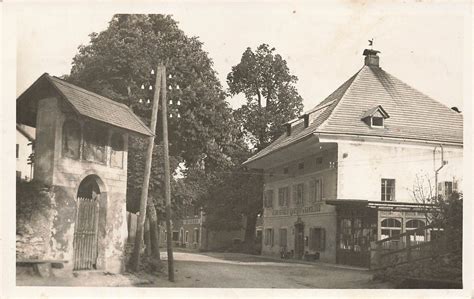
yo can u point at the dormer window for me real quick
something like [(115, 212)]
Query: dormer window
[(377, 121), (375, 117)]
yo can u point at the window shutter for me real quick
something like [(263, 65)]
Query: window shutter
[(323, 240), (312, 194), (455, 186), (295, 194), (287, 196), (303, 194), (320, 189)]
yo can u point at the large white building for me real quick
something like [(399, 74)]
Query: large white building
[(354, 169)]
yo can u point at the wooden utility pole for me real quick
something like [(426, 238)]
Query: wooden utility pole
[(164, 117), (135, 260)]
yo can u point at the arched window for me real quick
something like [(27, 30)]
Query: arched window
[(117, 148), (71, 139), (95, 138), (391, 227), (418, 236)]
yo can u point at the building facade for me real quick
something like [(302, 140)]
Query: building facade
[(190, 232), (81, 155), (357, 168)]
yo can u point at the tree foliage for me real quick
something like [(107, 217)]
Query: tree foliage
[(272, 99), (118, 61)]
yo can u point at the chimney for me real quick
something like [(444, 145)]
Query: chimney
[(371, 58)]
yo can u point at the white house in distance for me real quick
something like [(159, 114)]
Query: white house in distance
[(344, 172), (24, 148)]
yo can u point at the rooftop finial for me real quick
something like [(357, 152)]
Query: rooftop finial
[(371, 43)]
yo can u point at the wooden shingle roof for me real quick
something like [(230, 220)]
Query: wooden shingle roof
[(85, 103), (413, 115)]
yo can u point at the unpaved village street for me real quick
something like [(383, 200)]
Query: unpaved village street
[(233, 270), (223, 270)]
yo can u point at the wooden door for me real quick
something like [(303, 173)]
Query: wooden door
[(85, 235), (299, 241)]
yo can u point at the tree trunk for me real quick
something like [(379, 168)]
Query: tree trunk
[(146, 237), (250, 228), (154, 230)]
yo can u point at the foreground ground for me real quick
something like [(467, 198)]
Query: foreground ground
[(226, 270)]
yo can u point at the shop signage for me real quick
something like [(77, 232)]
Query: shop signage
[(296, 211), (192, 221)]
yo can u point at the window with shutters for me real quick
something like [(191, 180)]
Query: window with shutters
[(315, 190), (269, 236), (447, 188), (317, 239), (268, 199), (283, 234), (283, 197), (298, 194)]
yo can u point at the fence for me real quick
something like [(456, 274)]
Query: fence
[(405, 248)]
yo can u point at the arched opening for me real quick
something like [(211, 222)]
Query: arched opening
[(418, 236), (391, 227), (89, 232)]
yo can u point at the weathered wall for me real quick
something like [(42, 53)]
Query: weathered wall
[(33, 235), (65, 175), (311, 214), (363, 164)]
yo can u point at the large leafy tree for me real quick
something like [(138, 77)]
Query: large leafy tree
[(118, 61), (272, 99)]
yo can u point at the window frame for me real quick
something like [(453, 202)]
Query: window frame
[(385, 187), (316, 190), (269, 237), (284, 202), (377, 117)]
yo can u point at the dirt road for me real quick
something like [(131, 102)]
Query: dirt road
[(232, 270)]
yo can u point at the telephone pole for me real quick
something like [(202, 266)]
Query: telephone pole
[(164, 113), (135, 259)]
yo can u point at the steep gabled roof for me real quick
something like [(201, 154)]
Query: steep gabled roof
[(413, 115), (83, 102)]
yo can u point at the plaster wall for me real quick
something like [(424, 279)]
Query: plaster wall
[(65, 175), (363, 164), (312, 214)]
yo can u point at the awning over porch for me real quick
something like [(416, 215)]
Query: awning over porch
[(381, 205)]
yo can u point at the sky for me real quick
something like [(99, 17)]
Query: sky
[(421, 43)]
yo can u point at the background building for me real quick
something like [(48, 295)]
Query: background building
[(24, 150)]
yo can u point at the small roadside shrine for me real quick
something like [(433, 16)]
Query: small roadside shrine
[(81, 155)]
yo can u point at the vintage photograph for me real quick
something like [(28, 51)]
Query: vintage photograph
[(270, 145)]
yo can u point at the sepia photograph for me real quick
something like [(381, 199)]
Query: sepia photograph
[(164, 146)]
